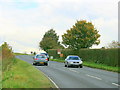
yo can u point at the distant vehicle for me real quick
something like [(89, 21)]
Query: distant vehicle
[(46, 55), (40, 59), (73, 60)]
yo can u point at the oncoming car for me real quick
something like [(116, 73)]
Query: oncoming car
[(73, 60), (40, 59)]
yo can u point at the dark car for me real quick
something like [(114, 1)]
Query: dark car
[(40, 59)]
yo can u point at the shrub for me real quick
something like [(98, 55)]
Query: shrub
[(100, 56), (7, 56)]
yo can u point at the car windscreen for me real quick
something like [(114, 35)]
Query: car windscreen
[(73, 58), (40, 56), (45, 54)]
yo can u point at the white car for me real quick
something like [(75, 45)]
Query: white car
[(73, 60)]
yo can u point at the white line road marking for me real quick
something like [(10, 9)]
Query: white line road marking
[(53, 82), (94, 77), (115, 84), (73, 70)]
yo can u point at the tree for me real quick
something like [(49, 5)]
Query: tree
[(7, 51), (113, 44), (50, 41), (81, 35), (31, 52), (34, 53), (51, 34)]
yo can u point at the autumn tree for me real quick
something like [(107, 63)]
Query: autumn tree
[(82, 35), (7, 51), (50, 41), (8, 57)]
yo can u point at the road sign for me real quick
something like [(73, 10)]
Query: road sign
[(58, 51)]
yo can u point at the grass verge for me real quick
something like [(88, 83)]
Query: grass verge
[(57, 60), (20, 54), (102, 66), (24, 75), (94, 65)]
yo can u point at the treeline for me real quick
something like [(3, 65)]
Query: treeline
[(82, 34), (8, 57), (100, 56)]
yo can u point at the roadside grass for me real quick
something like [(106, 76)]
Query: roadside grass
[(57, 60), (102, 66), (24, 75), (0, 67), (94, 65), (20, 54)]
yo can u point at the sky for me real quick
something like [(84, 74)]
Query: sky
[(24, 22)]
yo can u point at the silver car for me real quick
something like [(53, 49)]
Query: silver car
[(46, 55), (40, 59), (73, 60)]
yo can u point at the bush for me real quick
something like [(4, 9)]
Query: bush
[(7, 57), (100, 56)]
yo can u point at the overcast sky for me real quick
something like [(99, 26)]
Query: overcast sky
[(24, 22)]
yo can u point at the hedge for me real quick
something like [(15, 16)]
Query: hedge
[(101, 56)]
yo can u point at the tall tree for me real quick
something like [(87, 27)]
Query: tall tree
[(51, 34), (50, 41), (81, 35)]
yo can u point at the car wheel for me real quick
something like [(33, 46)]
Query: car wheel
[(34, 63), (46, 64), (81, 66), (65, 65)]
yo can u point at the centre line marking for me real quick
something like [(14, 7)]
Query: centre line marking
[(94, 77), (73, 70), (115, 84)]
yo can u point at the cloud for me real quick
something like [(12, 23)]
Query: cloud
[(24, 22)]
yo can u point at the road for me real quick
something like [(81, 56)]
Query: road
[(76, 77)]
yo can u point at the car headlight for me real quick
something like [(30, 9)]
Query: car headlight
[(80, 62)]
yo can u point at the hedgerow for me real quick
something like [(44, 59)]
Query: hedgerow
[(100, 56)]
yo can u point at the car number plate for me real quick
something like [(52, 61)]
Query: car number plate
[(41, 62)]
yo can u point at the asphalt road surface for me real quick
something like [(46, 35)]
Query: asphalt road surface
[(71, 77)]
